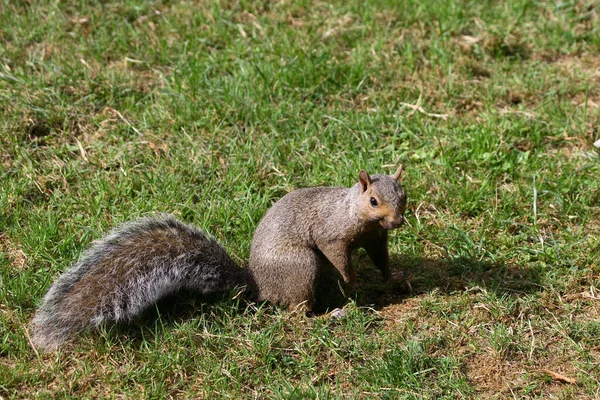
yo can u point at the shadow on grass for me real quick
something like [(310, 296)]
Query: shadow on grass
[(176, 309), (423, 275)]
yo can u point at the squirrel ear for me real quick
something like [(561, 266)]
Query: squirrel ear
[(397, 174), (365, 180)]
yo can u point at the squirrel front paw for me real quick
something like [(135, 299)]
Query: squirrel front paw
[(351, 282)]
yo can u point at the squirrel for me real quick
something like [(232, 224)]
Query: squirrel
[(143, 261)]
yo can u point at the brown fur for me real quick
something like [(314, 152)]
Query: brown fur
[(311, 227)]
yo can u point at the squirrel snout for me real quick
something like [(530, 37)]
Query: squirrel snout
[(393, 223), (399, 221)]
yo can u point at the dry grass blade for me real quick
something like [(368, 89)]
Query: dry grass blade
[(559, 377), (417, 107)]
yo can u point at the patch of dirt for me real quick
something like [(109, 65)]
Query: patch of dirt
[(492, 377), (396, 314), (459, 324), (56, 130), (18, 259), (579, 67), (573, 148), (497, 378)]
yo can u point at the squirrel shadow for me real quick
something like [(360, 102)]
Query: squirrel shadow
[(174, 309), (446, 275), (420, 275)]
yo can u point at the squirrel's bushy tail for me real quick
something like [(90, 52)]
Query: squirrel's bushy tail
[(129, 270)]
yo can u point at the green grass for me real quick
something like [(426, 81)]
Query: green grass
[(212, 111)]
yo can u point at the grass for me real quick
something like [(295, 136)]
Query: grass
[(214, 110)]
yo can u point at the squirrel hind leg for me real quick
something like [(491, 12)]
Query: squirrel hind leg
[(289, 279), (302, 299), (303, 307)]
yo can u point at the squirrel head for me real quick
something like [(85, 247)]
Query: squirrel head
[(382, 200)]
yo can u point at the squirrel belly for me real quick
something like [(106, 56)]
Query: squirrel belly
[(130, 269)]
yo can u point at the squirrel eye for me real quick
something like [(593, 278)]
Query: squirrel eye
[(373, 201)]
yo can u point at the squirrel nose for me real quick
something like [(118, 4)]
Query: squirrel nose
[(394, 223), (399, 221)]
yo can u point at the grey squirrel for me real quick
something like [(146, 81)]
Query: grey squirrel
[(143, 261)]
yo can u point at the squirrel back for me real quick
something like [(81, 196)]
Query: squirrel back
[(129, 270)]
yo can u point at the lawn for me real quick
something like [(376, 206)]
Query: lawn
[(212, 111)]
